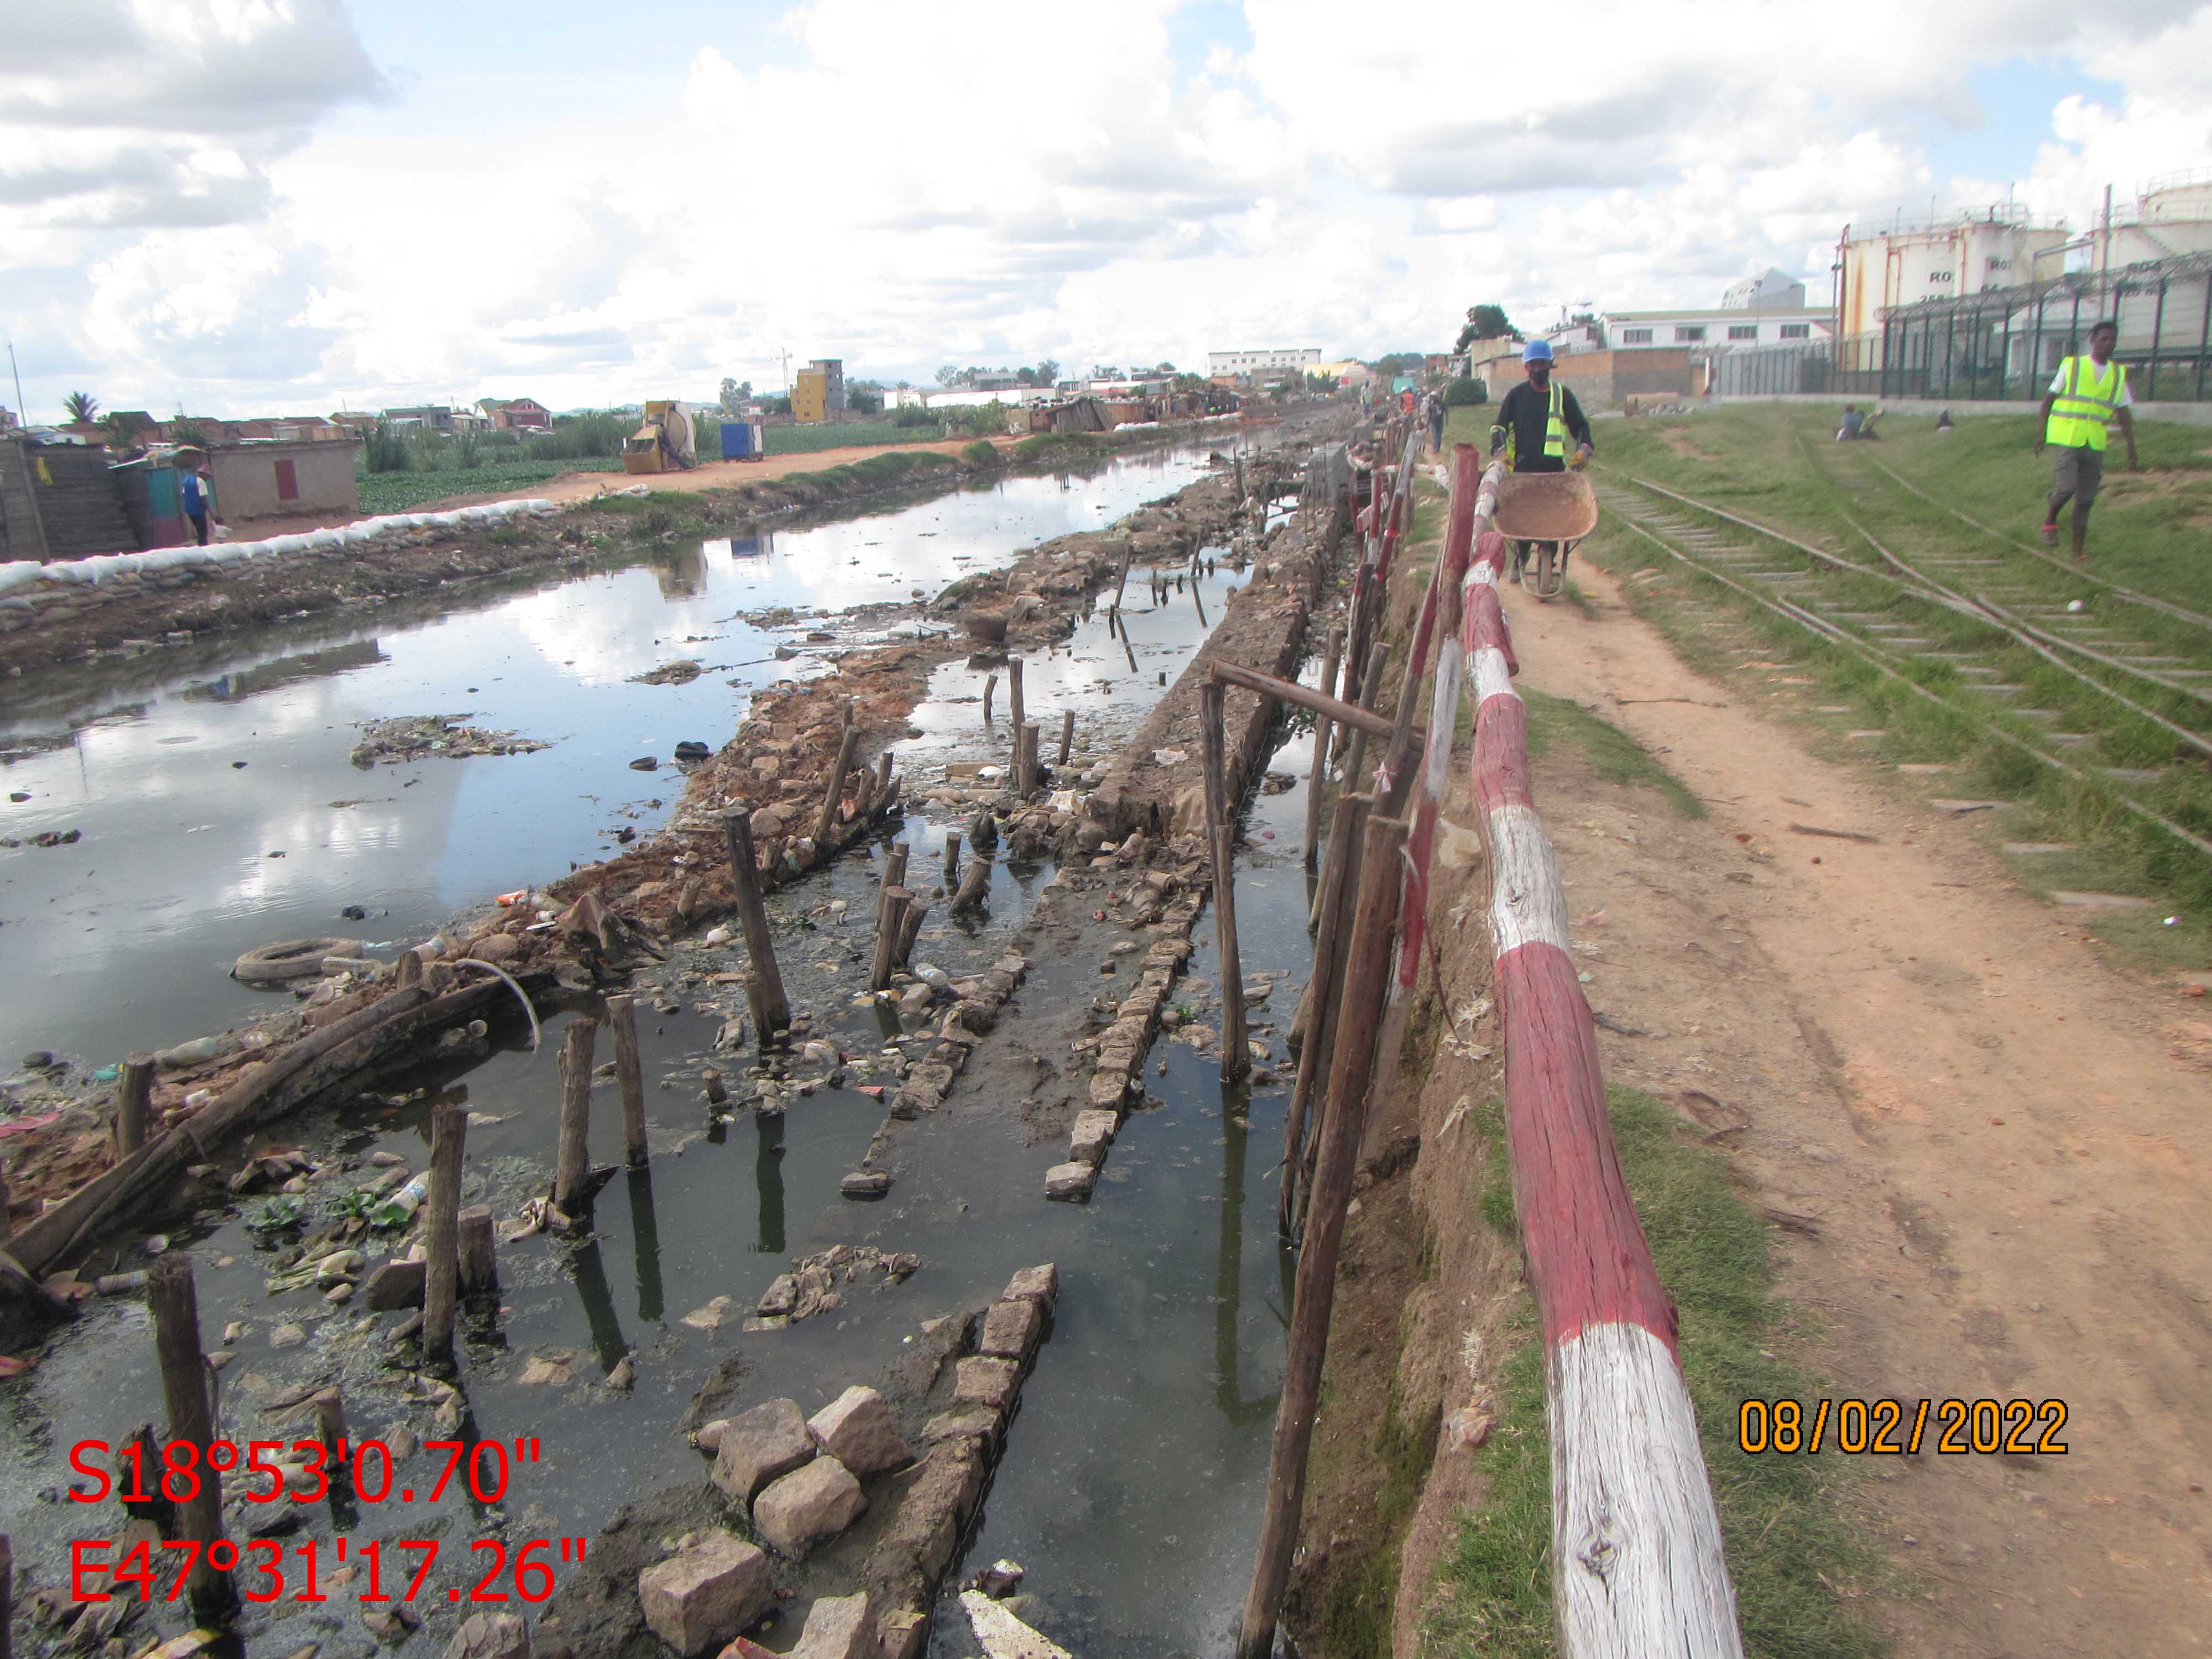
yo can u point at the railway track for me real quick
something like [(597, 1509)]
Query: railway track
[(2034, 657)]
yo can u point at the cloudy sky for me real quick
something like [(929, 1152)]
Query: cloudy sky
[(261, 206)]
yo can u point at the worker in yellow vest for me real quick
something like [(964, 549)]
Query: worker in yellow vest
[(2089, 394), (1534, 421)]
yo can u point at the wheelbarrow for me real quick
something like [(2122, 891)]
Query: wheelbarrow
[(1554, 510)]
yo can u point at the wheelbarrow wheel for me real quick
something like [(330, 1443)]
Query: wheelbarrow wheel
[(1549, 577)]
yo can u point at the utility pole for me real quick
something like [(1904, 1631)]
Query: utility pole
[(23, 414), (784, 354)]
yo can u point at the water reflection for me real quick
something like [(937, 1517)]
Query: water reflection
[(645, 1244), (236, 686), (767, 1177), (598, 1304), (1228, 1269)]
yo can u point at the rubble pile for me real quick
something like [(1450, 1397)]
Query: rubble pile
[(414, 736)]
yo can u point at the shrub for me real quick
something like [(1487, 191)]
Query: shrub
[(981, 452), (1465, 390)]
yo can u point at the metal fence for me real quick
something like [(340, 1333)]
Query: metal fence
[(2005, 343)]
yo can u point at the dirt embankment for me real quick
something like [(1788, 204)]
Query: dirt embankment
[(51, 624)]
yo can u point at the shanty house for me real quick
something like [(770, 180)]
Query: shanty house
[(261, 480)]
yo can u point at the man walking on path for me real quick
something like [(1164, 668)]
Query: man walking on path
[(2088, 392), (1533, 421)]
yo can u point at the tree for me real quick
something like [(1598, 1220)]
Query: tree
[(735, 395), (1165, 368), (81, 406), (1485, 322), (864, 397), (1025, 375), (122, 426), (1048, 371), (948, 376)]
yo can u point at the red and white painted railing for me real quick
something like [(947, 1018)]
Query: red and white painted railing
[(1636, 1566)]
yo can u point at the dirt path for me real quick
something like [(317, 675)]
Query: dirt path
[(2004, 1208)]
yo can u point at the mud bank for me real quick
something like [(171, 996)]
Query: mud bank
[(49, 624)]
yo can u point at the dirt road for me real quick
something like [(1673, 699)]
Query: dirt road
[(2005, 1209)]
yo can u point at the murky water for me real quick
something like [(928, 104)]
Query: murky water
[(1131, 1483), (218, 811)]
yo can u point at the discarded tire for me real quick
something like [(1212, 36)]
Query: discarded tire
[(295, 959)]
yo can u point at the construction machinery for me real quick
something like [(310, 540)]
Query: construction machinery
[(664, 443)]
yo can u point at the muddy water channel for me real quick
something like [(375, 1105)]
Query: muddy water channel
[(1131, 1479), (219, 812)]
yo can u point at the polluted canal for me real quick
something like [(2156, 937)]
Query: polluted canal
[(1127, 1482)]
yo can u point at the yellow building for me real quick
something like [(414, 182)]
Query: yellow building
[(809, 396)]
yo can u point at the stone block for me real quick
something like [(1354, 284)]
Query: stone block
[(1093, 1135), (809, 1506), (1040, 1285), (780, 1296), (1109, 1086), (760, 1445), (857, 1429), (901, 1633), (701, 1597), (1070, 1180), (1010, 1330), (865, 1183), (490, 1636), (1002, 1635), (395, 1284), (837, 1628), (968, 1422), (988, 1382)]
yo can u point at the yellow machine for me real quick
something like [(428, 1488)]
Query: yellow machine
[(664, 443)]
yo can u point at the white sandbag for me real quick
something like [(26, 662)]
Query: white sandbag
[(18, 572)]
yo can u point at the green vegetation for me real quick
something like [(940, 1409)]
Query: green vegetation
[(1356, 1619), (402, 492), (872, 471), (847, 434), (1613, 754), (81, 406), (1797, 1563), (1779, 465), (981, 452)]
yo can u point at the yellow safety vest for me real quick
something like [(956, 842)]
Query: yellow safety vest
[(2079, 414), (1555, 431)]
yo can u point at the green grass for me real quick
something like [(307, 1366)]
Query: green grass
[(1356, 1617), (1779, 465), (845, 434), (402, 492), (871, 471), (1798, 1564), (1613, 754)]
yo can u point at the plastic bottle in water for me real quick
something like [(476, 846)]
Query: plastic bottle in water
[(399, 1209)]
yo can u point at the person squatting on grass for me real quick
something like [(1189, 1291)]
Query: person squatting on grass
[(2088, 394)]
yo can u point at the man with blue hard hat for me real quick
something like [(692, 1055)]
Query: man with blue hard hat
[(1534, 421)]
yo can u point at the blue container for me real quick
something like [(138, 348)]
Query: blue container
[(743, 441)]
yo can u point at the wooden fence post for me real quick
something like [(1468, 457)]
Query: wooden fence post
[(1368, 963), (826, 822), (1312, 1025), (1025, 763), (909, 930), (134, 1096), (176, 1309), (1220, 832), (891, 916), (630, 1072), (573, 1161), (975, 882), (771, 1009), (1067, 734), (1319, 774), (1017, 712), (441, 1210)]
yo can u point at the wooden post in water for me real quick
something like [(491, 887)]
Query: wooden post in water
[(951, 853), (1128, 552), (1311, 1028), (1367, 970), (475, 1258), (1220, 834), (330, 1421), (134, 1098), (909, 930), (826, 823), (974, 884), (891, 916), (1067, 734), (990, 685), (441, 1206), (1330, 654), (771, 1009), (7, 1598), (1016, 711), (880, 800), (176, 1309), (571, 1164), (1025, 763), (630, 1072)]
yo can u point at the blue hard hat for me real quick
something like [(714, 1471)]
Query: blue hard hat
[(1536, 352)]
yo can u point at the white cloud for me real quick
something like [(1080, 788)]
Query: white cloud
[(981, 181)]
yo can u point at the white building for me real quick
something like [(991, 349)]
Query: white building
[(1297, 358), (1703, 330)]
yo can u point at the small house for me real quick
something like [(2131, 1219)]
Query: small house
[(269, 479)]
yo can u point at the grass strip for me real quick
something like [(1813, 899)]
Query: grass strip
[(1800, 1566)]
